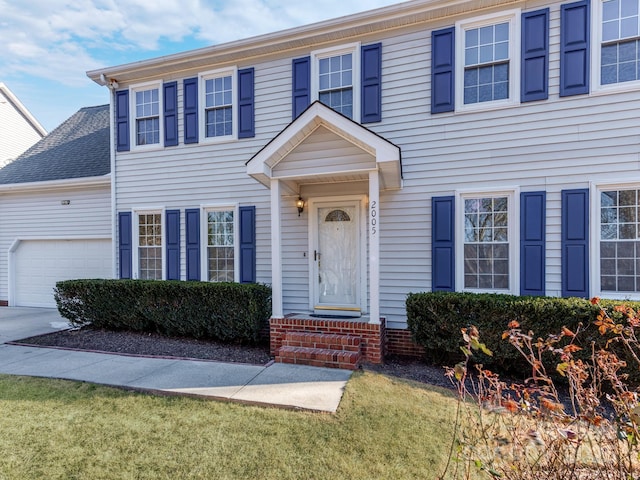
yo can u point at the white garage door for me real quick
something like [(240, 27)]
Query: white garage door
[(39, 264)]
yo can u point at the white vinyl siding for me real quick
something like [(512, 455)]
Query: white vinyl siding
[(16, 133), (42, 215), (552, 145)]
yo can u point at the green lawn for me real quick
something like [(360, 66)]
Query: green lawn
[(385, 428)]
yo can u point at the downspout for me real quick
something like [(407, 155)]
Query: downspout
[(112, 156)]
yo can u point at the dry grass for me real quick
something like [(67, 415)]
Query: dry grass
[(385, 428)]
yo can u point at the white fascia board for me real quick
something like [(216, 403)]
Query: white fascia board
[(334, 30), (104, 180)]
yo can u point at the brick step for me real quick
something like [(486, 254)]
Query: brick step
[(327, 341), (318, 357)]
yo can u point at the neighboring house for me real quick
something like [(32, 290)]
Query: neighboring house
[(18, 128), (469, 146), (56, 216)]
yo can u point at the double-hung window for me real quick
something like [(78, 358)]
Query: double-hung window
[(619, 240), (221, 257), (619, 33), (487, 243), (219, 115), (335, 74), (487, 53), (147, 106), (149, 251)]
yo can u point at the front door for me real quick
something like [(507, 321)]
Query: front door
[(337, 259)]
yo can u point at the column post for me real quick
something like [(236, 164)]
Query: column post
[(276, 251), (374, 248)]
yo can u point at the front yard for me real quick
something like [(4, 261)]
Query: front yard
[(385, 428)]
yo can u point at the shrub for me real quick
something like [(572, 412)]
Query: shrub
[(435, 320), (530, 431), (219, 311)]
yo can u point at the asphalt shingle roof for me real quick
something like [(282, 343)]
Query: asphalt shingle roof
[(78, 148)]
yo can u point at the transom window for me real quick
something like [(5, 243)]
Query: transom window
[(219, 106), (620, 241), (486, 243), (150, 246), (336, 83), (620, 49), (147, 108), (220, 246), (486, 63)]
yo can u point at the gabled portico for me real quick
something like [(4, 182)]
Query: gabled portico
[(339, 168)]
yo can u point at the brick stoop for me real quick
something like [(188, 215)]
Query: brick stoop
[(320, 350)]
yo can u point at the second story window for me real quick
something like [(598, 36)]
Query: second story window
[(218, 106), (620, 34), (335, 79), (147, 111), (336, 83), (486, 63)]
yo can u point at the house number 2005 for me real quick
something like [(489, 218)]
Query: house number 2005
[(374, 221)]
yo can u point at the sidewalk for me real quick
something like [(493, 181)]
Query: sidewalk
[(290, 386)]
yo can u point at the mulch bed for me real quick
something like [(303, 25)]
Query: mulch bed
[(151, 344)]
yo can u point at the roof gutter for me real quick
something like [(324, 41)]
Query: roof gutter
[(103, 180), (339, 29)]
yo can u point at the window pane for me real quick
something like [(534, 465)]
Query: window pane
[(486, 248), (220, 247)]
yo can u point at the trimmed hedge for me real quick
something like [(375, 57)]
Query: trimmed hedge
[(220, 311), (436, 318)]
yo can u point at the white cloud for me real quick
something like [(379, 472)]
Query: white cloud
[(55, 42)]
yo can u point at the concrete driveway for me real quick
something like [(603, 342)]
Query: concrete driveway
[(22, 322)]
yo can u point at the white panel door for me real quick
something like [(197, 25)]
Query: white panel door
[(39, 264)]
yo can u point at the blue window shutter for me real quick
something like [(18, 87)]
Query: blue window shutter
[(442, 70), (245, 104), (532, 242), (534, 75), (574, 48), (371, 83), (122, 120), (192, 219), (125, 244), (301, 85), (173, 244), (443, 244), (247, 244), (170, 105), (575, 243), (190, 95)]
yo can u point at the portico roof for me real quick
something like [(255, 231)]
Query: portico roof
[(324, 146)]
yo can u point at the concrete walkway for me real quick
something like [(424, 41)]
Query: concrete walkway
[(290, 386)]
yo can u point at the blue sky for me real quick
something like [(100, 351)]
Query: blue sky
[(49, 45)]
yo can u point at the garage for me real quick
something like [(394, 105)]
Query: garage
[(39, 264)]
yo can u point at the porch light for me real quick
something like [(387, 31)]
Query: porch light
[(300, 205)]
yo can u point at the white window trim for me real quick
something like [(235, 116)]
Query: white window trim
[(136, 237), (513, 17), (202, 77), (513, 199), (354, 50), (204, 258), (596, 44), (133, 131), (594, 244)]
